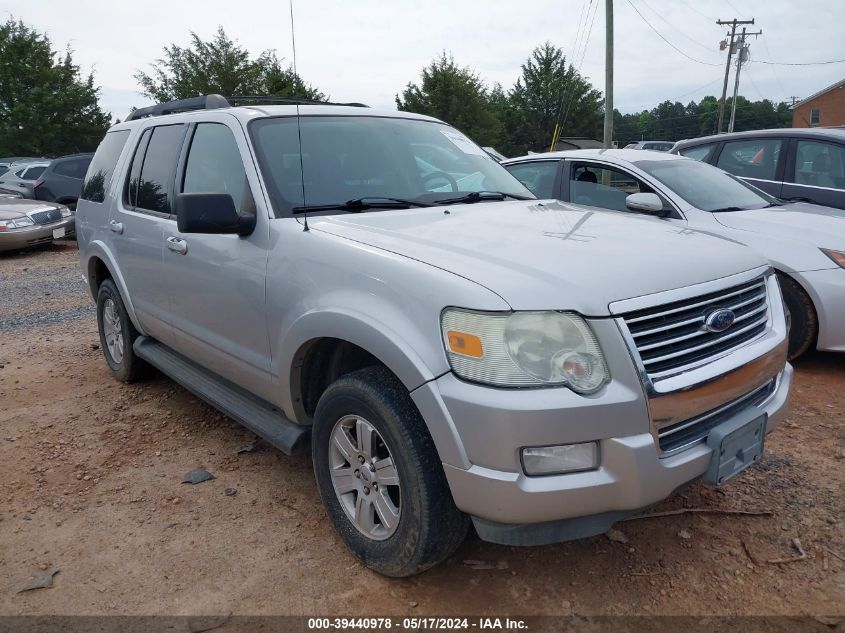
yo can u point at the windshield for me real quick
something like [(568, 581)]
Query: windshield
[(347, 158), (706, 187)]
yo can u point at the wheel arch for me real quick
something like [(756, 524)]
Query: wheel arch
[(100, 265)]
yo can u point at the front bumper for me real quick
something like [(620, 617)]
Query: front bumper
[(37, 235), (512, 508), (827, 290)]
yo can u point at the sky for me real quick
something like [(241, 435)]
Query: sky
[(368, 50)]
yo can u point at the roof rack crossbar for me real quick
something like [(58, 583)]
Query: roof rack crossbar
[(214, 101)]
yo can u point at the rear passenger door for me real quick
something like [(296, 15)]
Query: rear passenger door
[(816, 173), (760, 161), (216, 283), (138, 222)]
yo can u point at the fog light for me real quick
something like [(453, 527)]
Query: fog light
[(557, 460)]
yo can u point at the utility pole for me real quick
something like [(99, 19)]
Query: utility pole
[(733, 24), (741, 58), (608, 75)]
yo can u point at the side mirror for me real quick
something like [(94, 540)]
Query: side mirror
[(211, 213), (649, 203)]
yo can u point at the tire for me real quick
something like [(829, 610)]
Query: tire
[(117, 334), (804, 324), (429, 526)]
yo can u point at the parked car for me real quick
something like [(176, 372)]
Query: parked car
[(28, 223), (802, 164), (8, 161), (804, 242), (62, 180), (656, 146), (451, 348), (21, 177)]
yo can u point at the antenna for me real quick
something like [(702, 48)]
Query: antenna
[(298, 123)]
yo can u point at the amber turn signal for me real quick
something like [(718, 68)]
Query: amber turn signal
[(465, 344)]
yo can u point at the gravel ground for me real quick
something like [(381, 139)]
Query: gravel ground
[(90, 473)]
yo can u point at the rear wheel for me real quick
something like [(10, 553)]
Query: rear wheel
[(117, 334), (804, 327), (380, 477)]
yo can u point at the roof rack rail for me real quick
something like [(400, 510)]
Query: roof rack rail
[(214, 101)]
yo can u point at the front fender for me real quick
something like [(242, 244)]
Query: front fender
[(97, 249), (397, 354)]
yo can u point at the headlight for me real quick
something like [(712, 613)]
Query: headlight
[(524, 349), (66, 213), (18, 223), (837, 256)]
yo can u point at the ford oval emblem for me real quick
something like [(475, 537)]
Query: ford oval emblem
[(719, 320)]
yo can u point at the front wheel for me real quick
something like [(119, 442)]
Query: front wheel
[(380, 477), (804, 324)]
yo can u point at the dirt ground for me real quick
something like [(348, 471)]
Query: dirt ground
[(90, 473)]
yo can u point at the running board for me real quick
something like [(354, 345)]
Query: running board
[(257, 415)]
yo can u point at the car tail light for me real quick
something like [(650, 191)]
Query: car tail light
[(38, 183)]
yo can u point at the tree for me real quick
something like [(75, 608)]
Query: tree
[(458, 96), (551, 91), (220, 66), (46, 106)]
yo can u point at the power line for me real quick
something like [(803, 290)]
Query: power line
[(774, 72), (696, 42), (830, 61), (679, 97), (707, 17), (667, 41)]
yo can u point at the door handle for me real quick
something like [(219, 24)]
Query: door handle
[(177, 245), (116, 226)]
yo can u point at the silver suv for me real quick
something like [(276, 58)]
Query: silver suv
[(453, 350)]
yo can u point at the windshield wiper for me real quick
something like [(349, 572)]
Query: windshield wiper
[(362, 204), (727, 209), (482, 196)]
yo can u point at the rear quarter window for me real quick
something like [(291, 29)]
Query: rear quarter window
[(102, 166), (72, 167), (699, 152)]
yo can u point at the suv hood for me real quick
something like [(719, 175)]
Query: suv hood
[(549, 255), (820, 226)]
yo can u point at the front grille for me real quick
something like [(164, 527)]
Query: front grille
[(676, 436), (671, 338), (45, 217)]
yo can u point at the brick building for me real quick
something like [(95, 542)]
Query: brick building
[(826, 107)]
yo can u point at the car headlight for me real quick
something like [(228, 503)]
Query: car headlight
[(524, 349), (66, 213), (837, 256), (17, 223)]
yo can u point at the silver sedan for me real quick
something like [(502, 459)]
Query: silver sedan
[(28, 223), (804, 242)]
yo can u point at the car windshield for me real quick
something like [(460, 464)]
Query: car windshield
[(355, 158), (706, 187)]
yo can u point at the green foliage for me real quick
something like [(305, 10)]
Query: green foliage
[(46, 106), (220, 66), (456, 95), (550, 90), (673, 121)]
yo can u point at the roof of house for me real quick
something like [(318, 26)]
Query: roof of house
[(820, 92)]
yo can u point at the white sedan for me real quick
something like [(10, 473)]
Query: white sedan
[(804, 242)]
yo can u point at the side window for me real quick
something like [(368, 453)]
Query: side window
[(72, 167), (159, 169), (130, 190), (33, 173), (754, 158), (538, 176), (102, 166), (699, 152), (215, 166), (603, 187), (814, 116), (820, 164)]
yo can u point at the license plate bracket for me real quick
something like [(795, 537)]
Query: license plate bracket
[(736, 445)]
